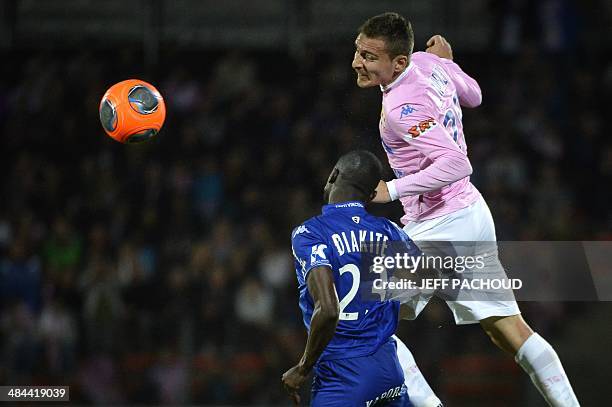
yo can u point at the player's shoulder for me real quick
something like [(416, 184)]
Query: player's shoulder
[(395, 228), (428, 61), (309, 229), (390, 227), (411, 98), (303, 228), (414, 105), (422, 56)]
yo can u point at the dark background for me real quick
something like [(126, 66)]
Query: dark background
[(162, 273)]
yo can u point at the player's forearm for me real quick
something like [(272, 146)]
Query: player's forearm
[(442, 172), (322, 329), (468, 90), (472, 95)]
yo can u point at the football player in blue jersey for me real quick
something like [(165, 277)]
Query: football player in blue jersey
[(350, 345)]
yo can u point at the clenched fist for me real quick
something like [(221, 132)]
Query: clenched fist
[(438, 45)]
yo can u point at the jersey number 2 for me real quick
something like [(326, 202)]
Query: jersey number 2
[(450, 118), (451, 121), (354, 270)]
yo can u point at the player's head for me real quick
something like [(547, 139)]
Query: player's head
[(382, 49), (354, 178)]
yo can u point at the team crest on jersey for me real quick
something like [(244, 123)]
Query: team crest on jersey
[(356, 219), (421, 128)]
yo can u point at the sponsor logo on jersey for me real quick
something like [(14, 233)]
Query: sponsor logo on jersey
[(388, 395), (350, 205), (318, 253), (421, 128), (355, 219)]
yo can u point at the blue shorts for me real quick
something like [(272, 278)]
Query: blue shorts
[(372, 380)]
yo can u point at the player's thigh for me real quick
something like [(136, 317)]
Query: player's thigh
[(484, 226), (483, 290), (356, 381), (470, 311), (470, 224), (334, 399), (401, 401), (329, 398)]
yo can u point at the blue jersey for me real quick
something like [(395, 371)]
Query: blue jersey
[(334, 239)]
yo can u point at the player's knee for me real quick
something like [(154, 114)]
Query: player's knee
[(507, 333), (495, 337)]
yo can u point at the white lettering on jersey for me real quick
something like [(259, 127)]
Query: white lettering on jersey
[(338, 243), (300, 229), (355, 247), (354, 242), (389, 394), (439, 80)]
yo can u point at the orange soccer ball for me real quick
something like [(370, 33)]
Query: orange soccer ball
[(132, 111)]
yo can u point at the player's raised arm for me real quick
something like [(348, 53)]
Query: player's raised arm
[(468, 90), (322, 327)]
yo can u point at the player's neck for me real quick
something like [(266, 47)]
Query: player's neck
[(339, 196), (395, 78)]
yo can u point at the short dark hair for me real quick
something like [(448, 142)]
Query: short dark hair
[(360, 169), (394, 30)]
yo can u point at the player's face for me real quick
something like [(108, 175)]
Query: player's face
[(372, 63)]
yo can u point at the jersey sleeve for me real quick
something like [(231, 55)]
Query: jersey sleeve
[(468, 90), (448, 162), (310, 250)]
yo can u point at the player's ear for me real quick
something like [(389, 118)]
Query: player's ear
[(372, 196), (333, 176), (400, 62)]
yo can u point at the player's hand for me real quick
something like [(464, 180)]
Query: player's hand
[(438, 45), (293, 380), (382, 193)]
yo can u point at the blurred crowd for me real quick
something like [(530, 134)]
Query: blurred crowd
[(162, 272)]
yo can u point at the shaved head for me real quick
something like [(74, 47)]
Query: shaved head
[(355, 176)]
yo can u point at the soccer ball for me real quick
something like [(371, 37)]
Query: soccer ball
[(132, 111)]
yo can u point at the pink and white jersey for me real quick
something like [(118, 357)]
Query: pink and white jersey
[(421, 131)]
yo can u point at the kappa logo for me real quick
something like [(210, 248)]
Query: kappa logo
[(300, 229), (406, 110), (356, 219)]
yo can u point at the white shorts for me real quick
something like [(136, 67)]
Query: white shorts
[(471, 224)]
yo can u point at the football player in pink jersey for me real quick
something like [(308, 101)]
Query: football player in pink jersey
[(422, 134)]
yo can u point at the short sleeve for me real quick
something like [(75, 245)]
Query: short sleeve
[(309, 249)]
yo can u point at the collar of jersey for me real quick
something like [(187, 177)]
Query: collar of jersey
[(398, 79), (343, 206)]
